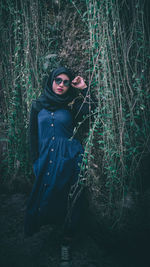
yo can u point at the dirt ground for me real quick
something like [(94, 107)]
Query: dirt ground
[(42, 249)]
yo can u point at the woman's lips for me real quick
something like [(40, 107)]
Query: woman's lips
[(60, 89)]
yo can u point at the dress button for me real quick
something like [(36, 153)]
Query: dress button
[(52, 149), (52, 113), (53, 137), (50, 161), (52, 124), (48, 173)]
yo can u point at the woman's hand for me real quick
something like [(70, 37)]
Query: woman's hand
[(78, 82)]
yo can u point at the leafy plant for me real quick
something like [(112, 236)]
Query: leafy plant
[(119, 74)]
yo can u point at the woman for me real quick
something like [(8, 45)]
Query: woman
[(56, 156)]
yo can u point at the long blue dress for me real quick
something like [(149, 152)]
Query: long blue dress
[(56, 169)]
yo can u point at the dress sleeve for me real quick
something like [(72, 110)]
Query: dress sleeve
[(33, 133), (83, 104)]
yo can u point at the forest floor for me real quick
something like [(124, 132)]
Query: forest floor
[(42, 249)]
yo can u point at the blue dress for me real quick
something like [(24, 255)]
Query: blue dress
[(56, 169)]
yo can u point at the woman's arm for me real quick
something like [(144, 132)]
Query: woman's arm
[(84, 103), (79, 83)]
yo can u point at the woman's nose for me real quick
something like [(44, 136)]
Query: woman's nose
[(62, 83)]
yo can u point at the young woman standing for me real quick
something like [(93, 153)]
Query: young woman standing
[(56, 156)]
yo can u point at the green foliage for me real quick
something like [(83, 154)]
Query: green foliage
[(117, 70), (25, 46), (119, 74)]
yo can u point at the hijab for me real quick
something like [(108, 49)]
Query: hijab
[(49, 99)]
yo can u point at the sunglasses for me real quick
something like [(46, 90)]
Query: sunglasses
[(60, 80)]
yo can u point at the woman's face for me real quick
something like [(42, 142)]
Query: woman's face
[(61, 84)]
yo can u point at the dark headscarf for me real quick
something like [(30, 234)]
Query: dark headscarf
[(49, 99)]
